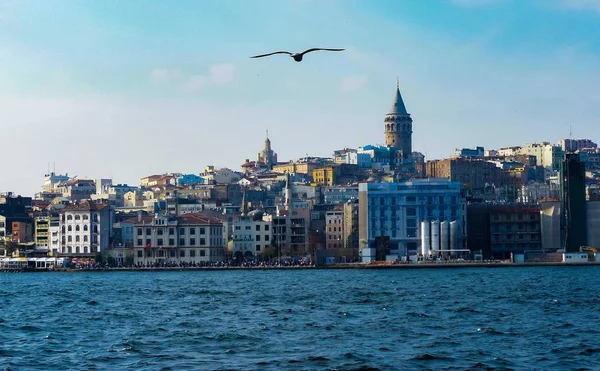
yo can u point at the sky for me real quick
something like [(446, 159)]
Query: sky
[(124, 89)]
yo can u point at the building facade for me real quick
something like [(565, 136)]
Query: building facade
[(334, 232), (85, 228), (390, 215), (188, 238)]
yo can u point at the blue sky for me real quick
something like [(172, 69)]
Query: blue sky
[(125, 89)]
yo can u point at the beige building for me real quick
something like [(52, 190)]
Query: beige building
[(304, 165), (334, 228), (474, 174), (188, 238)]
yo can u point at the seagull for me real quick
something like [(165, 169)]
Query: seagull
[(298, 56)]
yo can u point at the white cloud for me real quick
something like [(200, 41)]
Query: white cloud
[(164, 76), (219, 74), (474, 2), (222, 74), (194, 83), (581, 4), (351, 84)]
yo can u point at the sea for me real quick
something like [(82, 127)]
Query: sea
[(525, 318)]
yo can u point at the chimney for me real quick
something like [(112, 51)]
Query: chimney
[(139, 216)]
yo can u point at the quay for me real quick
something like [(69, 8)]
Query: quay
[(444, 265)]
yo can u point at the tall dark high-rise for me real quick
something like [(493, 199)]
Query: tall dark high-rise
[(572, 182), (398, 132)]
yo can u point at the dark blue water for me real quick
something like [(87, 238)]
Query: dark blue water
[(504, 318)]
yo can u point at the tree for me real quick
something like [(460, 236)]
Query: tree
[(268, 253), (10, 247)]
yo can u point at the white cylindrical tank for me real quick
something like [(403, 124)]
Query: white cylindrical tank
[(454, 235), (444, 235), (435, 237), (425, 240)]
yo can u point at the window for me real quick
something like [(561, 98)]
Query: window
[(257, 227), (159, 242), (257, 237), (248, 227), (85, 238), (161, 253), (237, 227), (257, 247), (70, 239), (69, 228), (173, 253), (181, 241), (266, 227), (69, 217), (171, 231), (182, 231), (148, 231), (192, 242), (171, 242), (85, 217), (140, 242), (192, 253), (77, 228), (140, 254), (202, 231), (266, 237), (160, 231), (182, 253), (203, 241), (148, 242), (192, 231), (202, 252), (149, 253), (85, 228)]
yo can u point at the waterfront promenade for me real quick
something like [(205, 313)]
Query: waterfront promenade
[(441, 265)]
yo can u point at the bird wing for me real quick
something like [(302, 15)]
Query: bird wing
[(326, 49), (266, 55)]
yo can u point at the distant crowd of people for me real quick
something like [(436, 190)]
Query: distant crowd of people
[(233, 263)]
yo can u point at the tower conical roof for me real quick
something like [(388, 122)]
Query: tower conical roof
[(398, 105)]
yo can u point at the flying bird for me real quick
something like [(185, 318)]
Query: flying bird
[(298, 56)]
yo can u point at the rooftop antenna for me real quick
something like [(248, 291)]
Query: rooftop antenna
[(570, 132)]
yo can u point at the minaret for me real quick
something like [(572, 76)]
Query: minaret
[(288, 192), (398, 129), (244, 211)]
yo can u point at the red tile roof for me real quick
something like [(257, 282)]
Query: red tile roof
[(196, 218), (84, 206)]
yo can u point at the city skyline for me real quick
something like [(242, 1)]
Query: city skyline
[(121, 90)]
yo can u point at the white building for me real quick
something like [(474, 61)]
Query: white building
[(85, 228), (250, 235), (547, 155), (573, 145), (390, 215), (220, 176)]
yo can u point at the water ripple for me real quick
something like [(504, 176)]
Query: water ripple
[(479, 319)]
